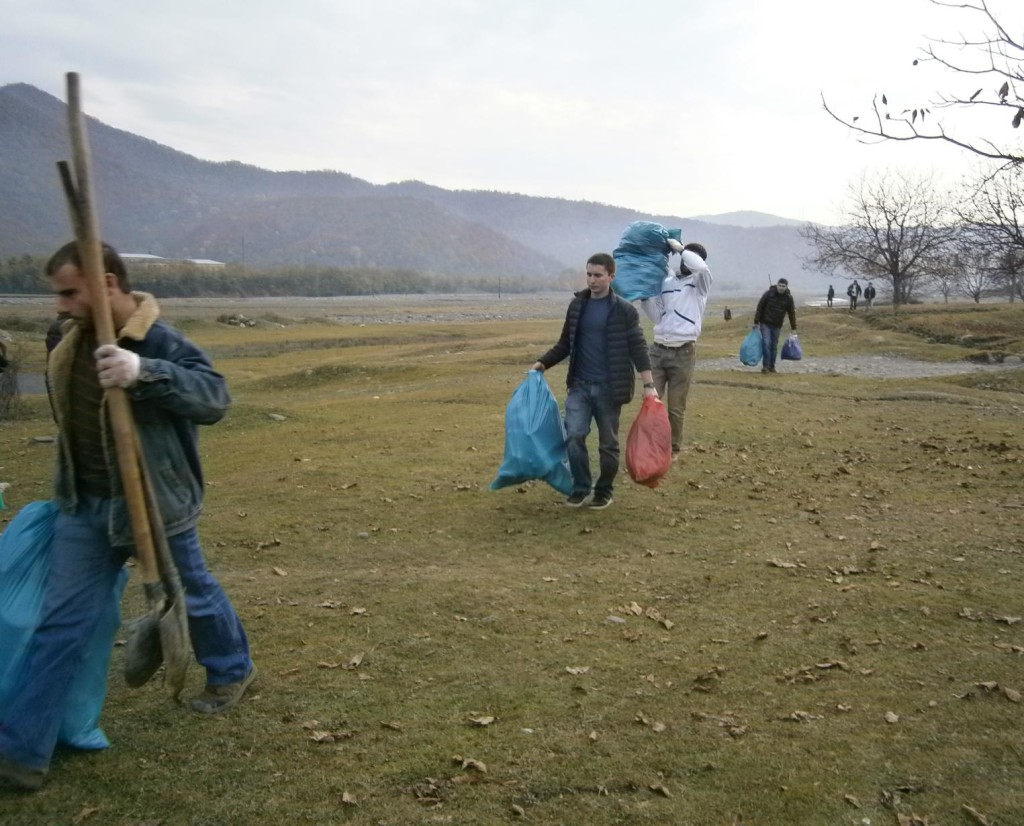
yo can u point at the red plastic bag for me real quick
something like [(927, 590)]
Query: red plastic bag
[(649, 444)]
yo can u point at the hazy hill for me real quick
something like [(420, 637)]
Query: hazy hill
[(748, 218), (156, 199)]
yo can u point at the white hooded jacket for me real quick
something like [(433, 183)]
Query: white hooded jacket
[(679, 311)]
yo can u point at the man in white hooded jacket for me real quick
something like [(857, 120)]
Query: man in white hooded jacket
[(677, 314)]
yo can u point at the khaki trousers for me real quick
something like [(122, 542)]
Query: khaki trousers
[(672, 369)]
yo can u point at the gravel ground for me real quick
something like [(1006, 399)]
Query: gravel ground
[(873, 367)]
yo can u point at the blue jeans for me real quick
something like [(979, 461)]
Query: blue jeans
[(769, 345), (592, 400), (83, 569)]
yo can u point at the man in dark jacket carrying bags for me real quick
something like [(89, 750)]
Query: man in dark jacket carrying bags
[(604, 342), (776, 303)]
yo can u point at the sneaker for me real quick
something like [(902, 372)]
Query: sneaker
[(578, 498), (771, 369), (602, 499), (218, 698), (13, 776), (764, 369)]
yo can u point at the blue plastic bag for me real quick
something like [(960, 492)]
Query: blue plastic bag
[(641, 260), (534, 438), (791, 350), (751, 351), (24, 564)]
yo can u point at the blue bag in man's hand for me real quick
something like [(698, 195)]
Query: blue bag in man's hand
[(534, 438), (750, 351), (24, 565), (791, 350)]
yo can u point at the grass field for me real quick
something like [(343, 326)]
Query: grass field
[(817, 618)]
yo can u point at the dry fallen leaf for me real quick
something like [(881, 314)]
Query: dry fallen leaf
[(470, 763), (349, 799), (657, 788), (86, 813), (803, 716), (481, 721), (577, 670), (279, 571), (891, 717), (778, 563), (978, 816)]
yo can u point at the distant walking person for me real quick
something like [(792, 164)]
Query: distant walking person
[(604, 342), (776, 303), (678, 313), (869, 295), (853, 291), (831, 294)]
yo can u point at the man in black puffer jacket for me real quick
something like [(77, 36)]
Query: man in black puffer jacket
[(604, 342), (776, 303)]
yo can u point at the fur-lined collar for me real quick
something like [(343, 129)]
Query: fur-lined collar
[(147, 311)]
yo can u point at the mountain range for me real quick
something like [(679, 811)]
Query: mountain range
[(154, 199)]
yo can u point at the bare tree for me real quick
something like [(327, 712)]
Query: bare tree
[(896, 230), (993, 61), (993, 209), (969, 268), (1011, 275)]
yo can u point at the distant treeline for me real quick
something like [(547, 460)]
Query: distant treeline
[(24, 274)]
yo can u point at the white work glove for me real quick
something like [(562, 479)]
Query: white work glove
[(116, 367), (674, 245)]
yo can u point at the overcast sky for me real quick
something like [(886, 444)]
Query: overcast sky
[(679, 107)]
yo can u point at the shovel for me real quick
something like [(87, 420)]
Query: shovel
[(158, 636), (162, 634)]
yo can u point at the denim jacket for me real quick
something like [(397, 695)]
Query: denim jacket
[(177, 390)]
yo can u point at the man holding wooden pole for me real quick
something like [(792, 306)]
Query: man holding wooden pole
[(172, 388)]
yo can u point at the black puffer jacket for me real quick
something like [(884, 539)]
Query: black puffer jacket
[(627, 348), (773, 308)]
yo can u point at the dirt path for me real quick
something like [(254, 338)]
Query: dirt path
[(874, 367)]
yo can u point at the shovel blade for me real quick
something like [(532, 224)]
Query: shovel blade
[(143, 652), (159, 638), (176, 647)]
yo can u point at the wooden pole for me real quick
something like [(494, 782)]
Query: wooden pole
[(91, 251)]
